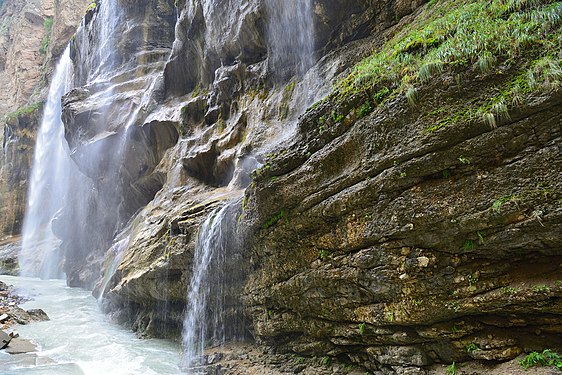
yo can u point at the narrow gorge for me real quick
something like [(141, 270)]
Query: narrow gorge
[(300, 186)]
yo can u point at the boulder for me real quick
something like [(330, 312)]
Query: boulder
[(4, 339)]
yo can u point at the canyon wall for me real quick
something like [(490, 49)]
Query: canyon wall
[(391, 213)]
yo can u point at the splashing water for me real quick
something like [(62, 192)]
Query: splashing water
[(212, 315), (117, 251), (290, 34)]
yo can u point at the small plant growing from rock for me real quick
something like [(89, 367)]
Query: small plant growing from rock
[(337, 117), (452, 369), (325, 254), (480, 237), (412, 96), (381, 94), (541, 289), (274, 219), (498, 203), (546, 358), (472, 279), (509, 290), (365, 109), (361, 328), (472, 347)]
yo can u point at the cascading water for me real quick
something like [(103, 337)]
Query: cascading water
[(49, 185), (290, 35), (213, 311), (54, 173), (217, 275), (91, 162)]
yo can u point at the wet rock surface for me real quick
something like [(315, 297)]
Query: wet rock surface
[(9, 250), (251, 359), (227, 103), (22, 351)]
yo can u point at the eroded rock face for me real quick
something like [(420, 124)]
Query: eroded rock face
[(393, 246), (229, 108), (15, 163)]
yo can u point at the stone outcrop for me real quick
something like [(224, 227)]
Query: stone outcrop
[(391, 244), (392, 252), (18, 141), (229, 108)]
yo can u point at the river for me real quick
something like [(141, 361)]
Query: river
[(80, 339)]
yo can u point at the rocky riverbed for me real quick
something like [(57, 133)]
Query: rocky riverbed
[(10, 315)]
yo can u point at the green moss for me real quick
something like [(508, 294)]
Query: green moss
[(27, 110), (274, 219)]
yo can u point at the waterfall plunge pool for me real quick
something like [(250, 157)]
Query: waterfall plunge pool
[(80, 339)]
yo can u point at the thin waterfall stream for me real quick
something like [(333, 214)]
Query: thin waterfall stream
[(213, 313), (217, 273)]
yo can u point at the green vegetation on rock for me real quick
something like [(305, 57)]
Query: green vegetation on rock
[(47, 25), (27, 110), (546, 358), (451, 36), (91, 7)]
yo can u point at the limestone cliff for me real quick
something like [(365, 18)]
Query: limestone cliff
[(415, 218), (32, 36), (391, 181), (231, 98), (412, 218)]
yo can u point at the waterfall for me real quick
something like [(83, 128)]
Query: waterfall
[(49, 185), (290, 33), (213, 314), (213, 311), (77, 193), (61, 197)]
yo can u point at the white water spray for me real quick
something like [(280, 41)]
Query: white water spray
[(214, 311), (290, 34), (40, 255)]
